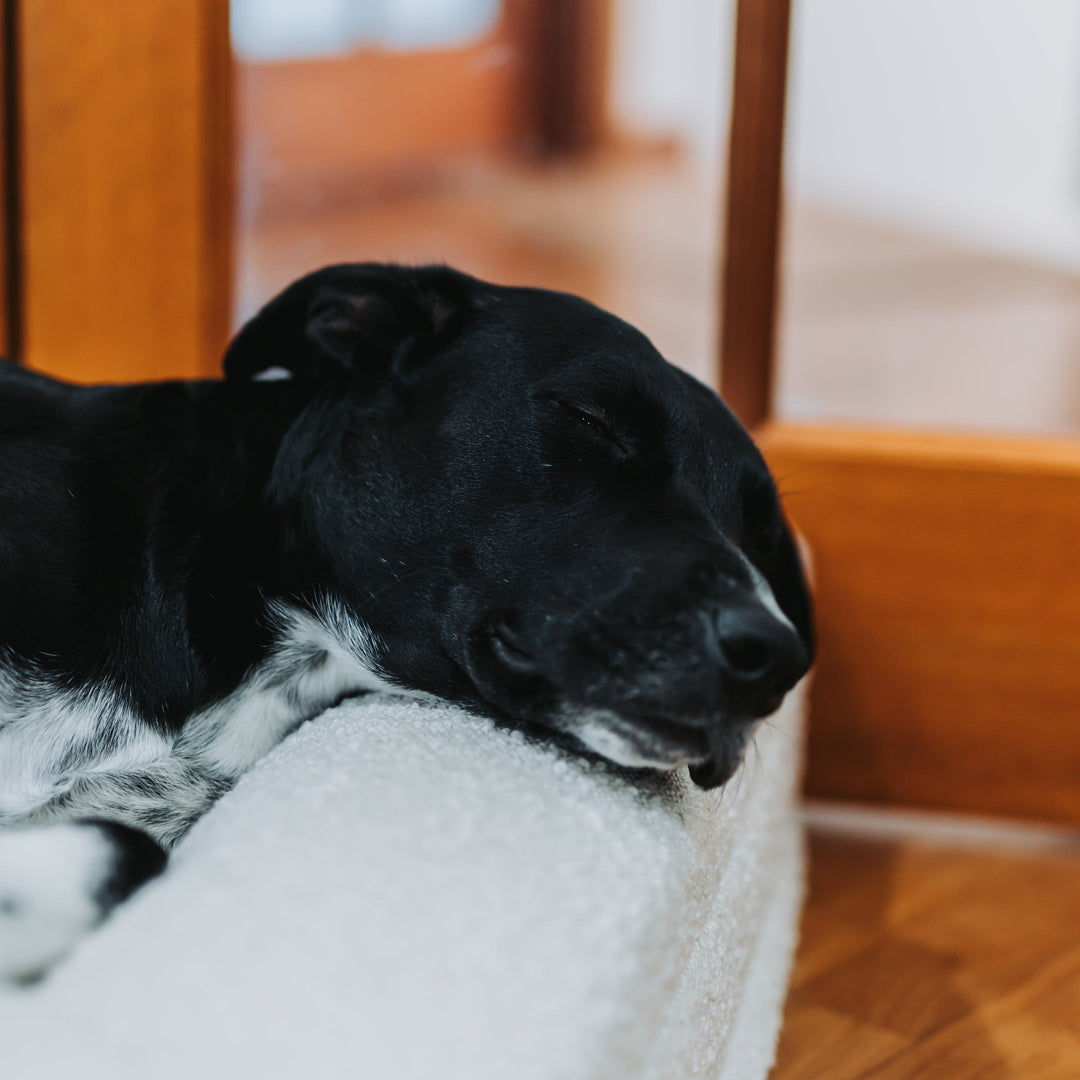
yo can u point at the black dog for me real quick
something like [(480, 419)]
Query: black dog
[(500, 497)]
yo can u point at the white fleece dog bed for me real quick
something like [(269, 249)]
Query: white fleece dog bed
[(403, 891)]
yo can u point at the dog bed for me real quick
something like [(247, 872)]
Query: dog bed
[(402, 890)]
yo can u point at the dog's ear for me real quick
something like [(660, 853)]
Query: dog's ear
[(367, 320)]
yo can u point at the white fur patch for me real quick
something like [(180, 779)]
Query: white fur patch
[(272, 374), (49, 880), (763, 592), (608, 735), (69, 754), (50, 736)]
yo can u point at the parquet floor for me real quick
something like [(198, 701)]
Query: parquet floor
[(936, 961)]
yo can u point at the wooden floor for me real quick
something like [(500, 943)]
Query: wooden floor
[(936, 961)]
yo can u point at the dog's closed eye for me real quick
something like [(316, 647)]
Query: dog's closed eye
[(592, 419)]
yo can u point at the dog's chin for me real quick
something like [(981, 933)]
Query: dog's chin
[(637, 743), (713, 756), (727, 746)]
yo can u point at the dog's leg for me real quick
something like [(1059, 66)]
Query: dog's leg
[(58, 881), (64, 866), (162, 798)]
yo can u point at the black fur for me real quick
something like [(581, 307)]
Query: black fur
[(136, 859)]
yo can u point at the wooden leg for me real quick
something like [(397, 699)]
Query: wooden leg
[(752, 233)]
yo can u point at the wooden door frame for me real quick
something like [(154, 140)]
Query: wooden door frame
[(751, 241), (948, 600), (565, 49)]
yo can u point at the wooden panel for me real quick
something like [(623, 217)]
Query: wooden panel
[(124, 181), (949, 613), (752, 228)]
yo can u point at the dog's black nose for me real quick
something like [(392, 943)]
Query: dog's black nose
[(760, 658)]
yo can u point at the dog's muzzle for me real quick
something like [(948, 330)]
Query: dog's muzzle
[(657, 693)]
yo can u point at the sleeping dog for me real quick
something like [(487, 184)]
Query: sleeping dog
[(408, 479)]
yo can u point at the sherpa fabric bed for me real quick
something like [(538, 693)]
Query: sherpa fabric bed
[(404, 891)]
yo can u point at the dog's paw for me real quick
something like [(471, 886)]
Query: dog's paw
[(58, 881)]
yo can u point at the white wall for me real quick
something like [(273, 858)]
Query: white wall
[(288, 29), (671, 71), (958, 115)]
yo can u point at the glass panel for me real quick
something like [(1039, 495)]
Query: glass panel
[(933, 229), (573, 146)]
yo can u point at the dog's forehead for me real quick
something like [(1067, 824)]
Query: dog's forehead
[(548, 327), (556, 342)]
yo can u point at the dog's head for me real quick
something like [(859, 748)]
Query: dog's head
[(533, 513)]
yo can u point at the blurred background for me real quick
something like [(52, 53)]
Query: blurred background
[(933, 171), (569, 145)]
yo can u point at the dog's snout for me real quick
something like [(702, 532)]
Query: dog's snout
[(759, 656), (746, 654)]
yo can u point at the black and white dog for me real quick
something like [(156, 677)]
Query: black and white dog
[(409, 479)]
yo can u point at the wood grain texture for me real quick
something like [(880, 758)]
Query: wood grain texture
[(935, 962), (752, 230), (125, 224), (949, 616)]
